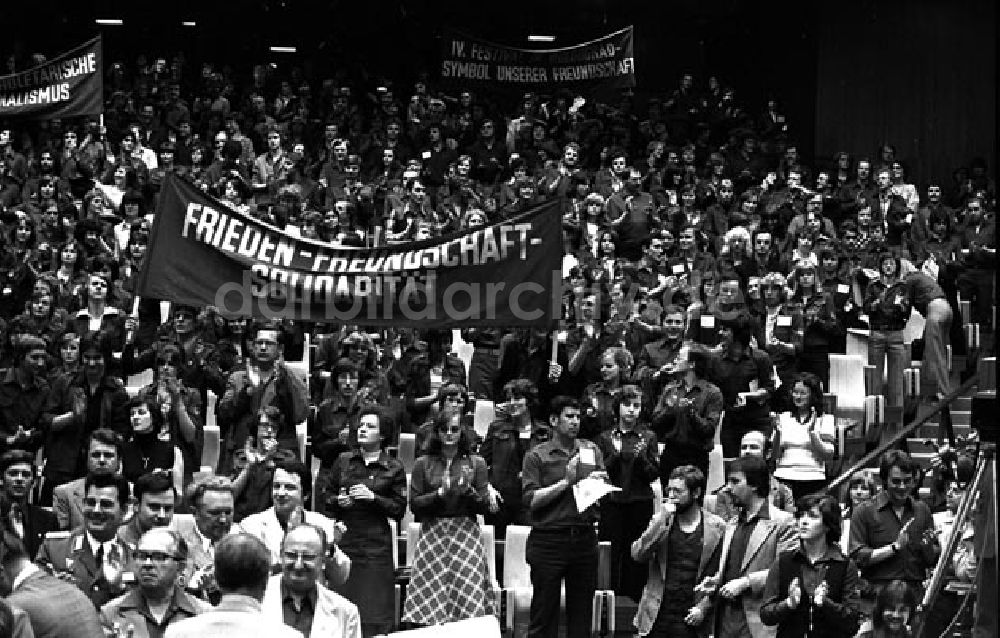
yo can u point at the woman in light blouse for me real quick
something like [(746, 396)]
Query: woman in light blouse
[(805, 438)]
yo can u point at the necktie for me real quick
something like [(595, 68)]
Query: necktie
[(17, 520)]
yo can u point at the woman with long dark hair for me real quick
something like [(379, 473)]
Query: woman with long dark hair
[(805, 438), (448, 489)]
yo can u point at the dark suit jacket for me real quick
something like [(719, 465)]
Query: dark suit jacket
[(57, 609), (651, 547), (38, 522), (70, 552)]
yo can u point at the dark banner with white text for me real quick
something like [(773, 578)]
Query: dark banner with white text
[(605, 63), (203, 252), (70, 85)]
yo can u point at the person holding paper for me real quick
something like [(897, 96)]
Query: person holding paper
[(630, 454), (744, 375), (563, 544)]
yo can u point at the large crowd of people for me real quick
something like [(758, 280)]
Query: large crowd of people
[(709, 271)]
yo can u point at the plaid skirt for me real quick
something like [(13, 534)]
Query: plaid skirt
[(450, 580)]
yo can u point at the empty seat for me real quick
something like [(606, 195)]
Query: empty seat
[(212, 447), (484, 415)]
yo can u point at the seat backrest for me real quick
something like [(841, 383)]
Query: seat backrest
[(412, 536), (490, 547), (407, 450), (212, 446), (515, 561), (847, 381), (484, 415), (716, 470), (394, 531)]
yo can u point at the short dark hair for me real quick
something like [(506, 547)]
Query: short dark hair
[(294, 466), (101, 481), (694, 479), (754, 469), (15, 457), (154, 482), (829, 511), (895, 458), (242, 562), (106, 436), (385, 422), (560, 403), (627, 393)]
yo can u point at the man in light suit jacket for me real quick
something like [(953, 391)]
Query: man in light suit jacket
[(297, 593), (751, 545), (56, 608), (685, 489), (93, 557), (242, 569), (104, 453), (212, 504), (287, 496)]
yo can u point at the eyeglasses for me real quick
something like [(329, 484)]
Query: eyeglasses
[(451, 429), (294, 557), (157, 557), (104, 503)]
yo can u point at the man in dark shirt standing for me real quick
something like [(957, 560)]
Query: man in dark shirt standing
[(749, 548), (745, 377), (892, 536), (563, 542)]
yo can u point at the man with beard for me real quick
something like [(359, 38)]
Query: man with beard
[(92, 557), (768, 258), (28, 521), (749, 549), (159, 600), (104, 454), (155, 500), (56, 608), (682, 545)]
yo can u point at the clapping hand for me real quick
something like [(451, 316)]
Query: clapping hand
[(819, 596), (361, 492), (695, 617), (734, 588), (794, 594)]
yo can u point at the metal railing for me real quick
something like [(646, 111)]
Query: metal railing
[(905, 432)]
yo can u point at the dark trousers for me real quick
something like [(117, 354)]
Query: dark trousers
[(623, 523), (802, 488), (555, 556), (675, 456), (976, 285)]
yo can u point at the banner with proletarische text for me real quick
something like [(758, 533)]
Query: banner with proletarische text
[(70, 85)]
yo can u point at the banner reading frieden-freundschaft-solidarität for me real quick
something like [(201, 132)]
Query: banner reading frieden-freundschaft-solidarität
[(606, 62), (70, 85), (202, 252)]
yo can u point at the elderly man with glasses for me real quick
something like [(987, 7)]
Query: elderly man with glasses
[(159, 600)]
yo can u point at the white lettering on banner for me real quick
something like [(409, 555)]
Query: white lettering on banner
[(45, 95), (465, 70), (49, 74), (522, 74)]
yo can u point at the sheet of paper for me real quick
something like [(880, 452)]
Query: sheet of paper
[(589, 491)]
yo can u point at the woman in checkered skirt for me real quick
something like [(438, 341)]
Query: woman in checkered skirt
[(448, 488)]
